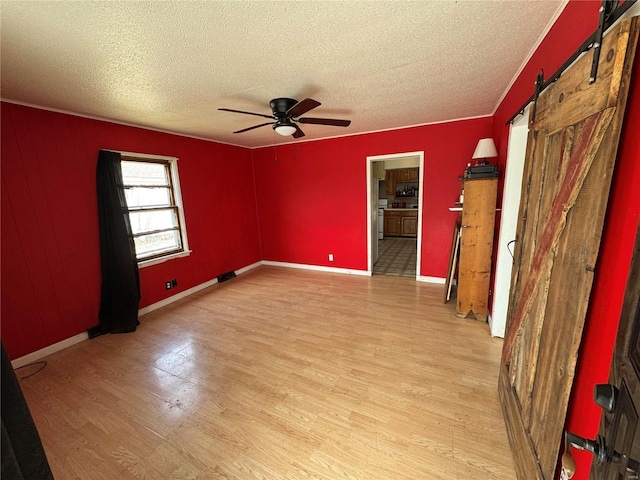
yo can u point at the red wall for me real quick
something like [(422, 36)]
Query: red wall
[(312, 196), (50, 245), (577, 21)]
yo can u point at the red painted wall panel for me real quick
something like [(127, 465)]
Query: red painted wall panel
[(50, 245), (577, 21), (312, 196)]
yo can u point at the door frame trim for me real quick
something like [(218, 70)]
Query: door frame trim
[(394, 156)]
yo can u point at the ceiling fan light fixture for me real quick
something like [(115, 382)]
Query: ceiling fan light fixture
[(284, 129)]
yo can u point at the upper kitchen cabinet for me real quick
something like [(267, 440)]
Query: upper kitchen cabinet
[(378, 171), (400, 175), (391, 182), (406, 175)]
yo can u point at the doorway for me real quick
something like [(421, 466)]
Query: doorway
[(393, 255)]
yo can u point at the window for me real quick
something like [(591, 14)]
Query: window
[(152, 192)]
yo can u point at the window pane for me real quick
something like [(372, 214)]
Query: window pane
[(157, 243), (148, 221), (144, 173), (147, 197)]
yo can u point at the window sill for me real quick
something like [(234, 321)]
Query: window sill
[(155, 261)]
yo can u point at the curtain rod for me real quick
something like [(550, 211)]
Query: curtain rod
[(589, 43)]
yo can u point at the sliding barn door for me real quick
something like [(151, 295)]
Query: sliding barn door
[(570, 158)]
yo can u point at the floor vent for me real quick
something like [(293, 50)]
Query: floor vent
[(94, 331), (226, 276)]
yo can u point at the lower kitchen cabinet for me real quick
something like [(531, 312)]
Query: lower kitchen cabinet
[(409, 226), (401, 223), (392, 225)]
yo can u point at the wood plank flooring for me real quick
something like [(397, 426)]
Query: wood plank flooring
[(280, 374)]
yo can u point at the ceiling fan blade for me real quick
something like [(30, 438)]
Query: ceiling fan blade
[(298, 133), (255, 126), (246, 113), (325, 121), (302, 107)]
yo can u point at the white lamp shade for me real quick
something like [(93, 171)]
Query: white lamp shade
[(285, 130), (485, 149)]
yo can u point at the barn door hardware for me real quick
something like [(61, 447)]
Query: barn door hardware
[(610, 12), (605, 12), (536, 94)]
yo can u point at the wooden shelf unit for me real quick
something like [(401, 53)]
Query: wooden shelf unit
[(476, 246)]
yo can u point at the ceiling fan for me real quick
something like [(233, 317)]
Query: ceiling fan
[(286, 113)]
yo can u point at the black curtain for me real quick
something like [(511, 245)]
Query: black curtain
[(23, 457), (120, 280)]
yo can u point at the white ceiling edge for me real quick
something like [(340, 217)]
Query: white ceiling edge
[(294, 142), (531, 52), (126, 124)]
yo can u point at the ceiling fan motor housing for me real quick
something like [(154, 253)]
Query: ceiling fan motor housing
[(280, 106)]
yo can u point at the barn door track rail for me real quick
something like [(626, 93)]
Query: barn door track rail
[(610, 12)]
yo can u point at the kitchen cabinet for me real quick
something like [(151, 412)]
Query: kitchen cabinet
[(392, 225), (378, 170), (476, 246), (406, 175), (400, 175), (409, 227), (391, 182), (401, 223)]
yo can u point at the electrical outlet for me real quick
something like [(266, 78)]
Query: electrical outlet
[(167, 285), (174, 283), (331, 257)]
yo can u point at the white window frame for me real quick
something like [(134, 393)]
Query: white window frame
[(177, 194)]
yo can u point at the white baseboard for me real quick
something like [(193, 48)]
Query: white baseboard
[(35, 356), (174, 298), (190, 291), (43, 352), (423, 278), (497, 331), (317, 268), (242, 270)]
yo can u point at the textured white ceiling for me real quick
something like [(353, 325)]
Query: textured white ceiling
[(170, 65)]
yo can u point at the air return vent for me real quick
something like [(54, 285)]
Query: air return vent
[(226, 276)]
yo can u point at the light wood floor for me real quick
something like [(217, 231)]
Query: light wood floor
[(281, 374)]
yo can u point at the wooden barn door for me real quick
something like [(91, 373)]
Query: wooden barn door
[(570, 158)]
